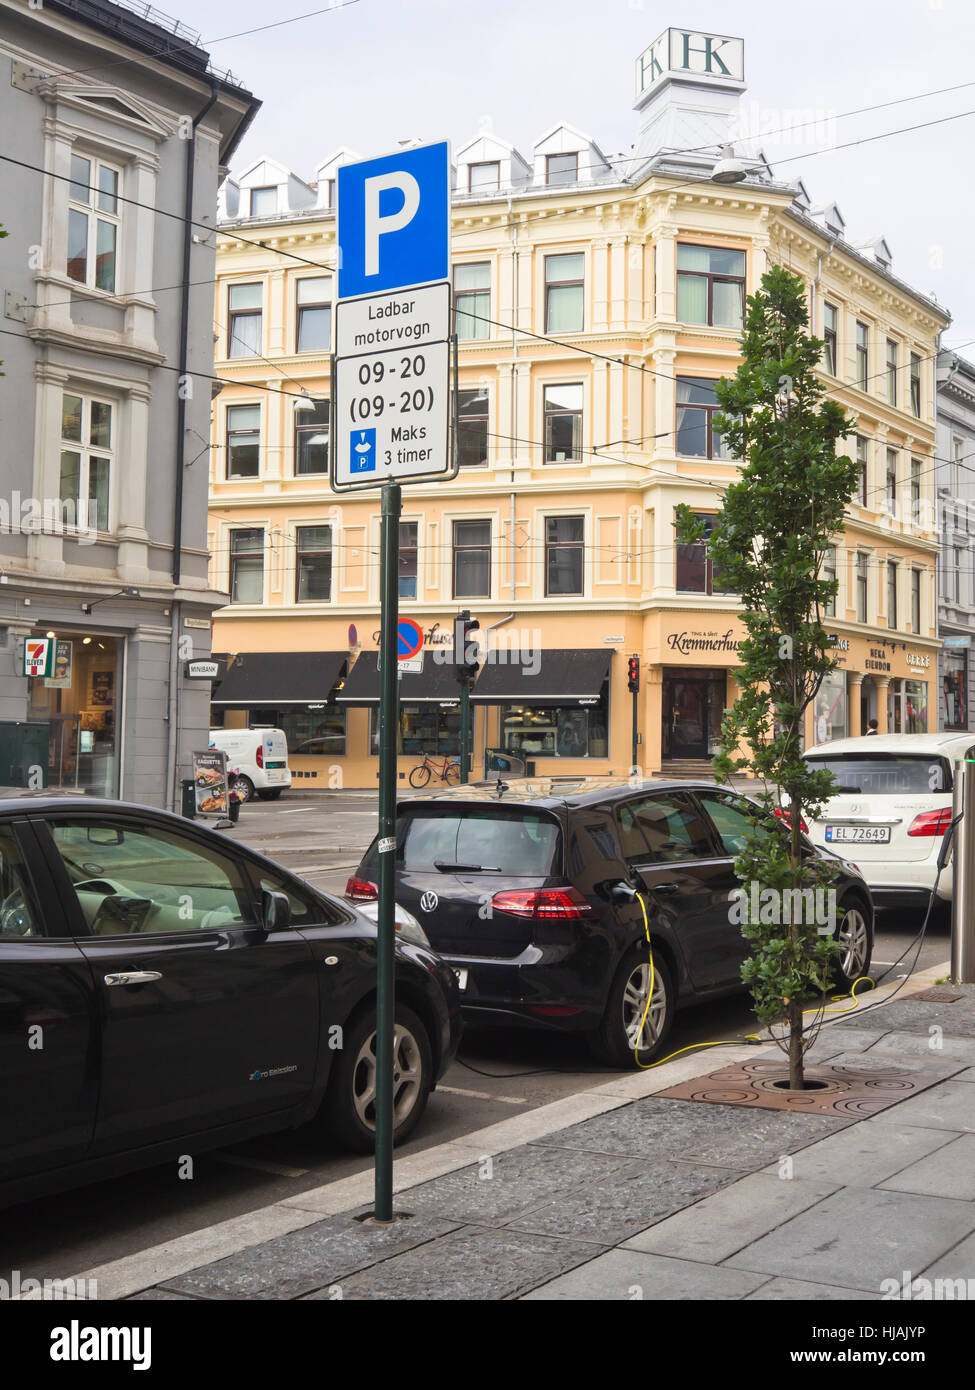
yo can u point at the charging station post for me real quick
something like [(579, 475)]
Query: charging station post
[(963, 870)]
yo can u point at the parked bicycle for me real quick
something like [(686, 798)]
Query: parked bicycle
[(448, 771)]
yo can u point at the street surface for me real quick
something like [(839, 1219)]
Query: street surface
[(497, 1075)]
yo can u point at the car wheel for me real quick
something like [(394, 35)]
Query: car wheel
[(244, 787), (614, 1041), (271, 794), (855, 936), (349, 1111)]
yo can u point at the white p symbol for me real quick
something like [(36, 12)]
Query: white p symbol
[(376, 225)]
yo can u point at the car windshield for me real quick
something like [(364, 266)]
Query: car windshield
[(526, 844), (888, 774)]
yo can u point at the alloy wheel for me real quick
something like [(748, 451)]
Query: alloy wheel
[(635, 994), (407, 1077), (854, 939)]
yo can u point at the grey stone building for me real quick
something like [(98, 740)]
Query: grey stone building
[(115, 130), (955, 480)]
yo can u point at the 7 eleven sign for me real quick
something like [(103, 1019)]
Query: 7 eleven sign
[(38, 656)]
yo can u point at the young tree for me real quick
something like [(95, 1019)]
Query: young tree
[(769, 541)]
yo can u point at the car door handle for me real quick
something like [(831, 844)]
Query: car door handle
[(665, 888), (133, 977)]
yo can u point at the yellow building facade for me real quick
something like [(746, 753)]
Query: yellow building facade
[(595, 306)]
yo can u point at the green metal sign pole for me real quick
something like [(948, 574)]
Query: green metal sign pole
[(388, 726), (465, 701)]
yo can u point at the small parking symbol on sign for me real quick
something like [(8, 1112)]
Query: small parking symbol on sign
[(363, 447)]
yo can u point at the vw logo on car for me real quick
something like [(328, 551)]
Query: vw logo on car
[(429, 901)]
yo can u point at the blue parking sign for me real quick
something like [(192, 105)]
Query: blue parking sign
[(394, 220), (362, 444)]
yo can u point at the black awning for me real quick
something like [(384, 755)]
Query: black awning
[(563, 677), (282, 679), (435, 684)]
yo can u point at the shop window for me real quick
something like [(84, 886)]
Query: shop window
[(425, 730), (830, 708), (562, 408), (564, 550), (862, 355), (562, 168), (314, 314), (73, 716), (87, 451), (472, 300), (563, 731), (311, 438), (472, 428), (313, 564), (243, 441), (710, 286), (830, 316), (472, 559), (408, 555), (696, 572), (94, 223), (955, 689), (565, 284), (244, 329), (697, 405), (321, 733), (247, 565)]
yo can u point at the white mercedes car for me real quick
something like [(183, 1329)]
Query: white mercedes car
[(892, 811)]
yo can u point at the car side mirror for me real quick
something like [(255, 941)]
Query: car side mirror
[(275, 911)]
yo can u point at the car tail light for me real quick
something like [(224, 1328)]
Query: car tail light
[(260, 755), (931, 822), (542, 904), (360, 890), (784, 816)]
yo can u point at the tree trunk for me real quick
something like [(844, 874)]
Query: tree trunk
[(794, 1015)]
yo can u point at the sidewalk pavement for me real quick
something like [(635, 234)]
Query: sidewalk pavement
[(616, 1193)]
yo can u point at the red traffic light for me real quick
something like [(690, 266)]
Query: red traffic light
[(633, 673)]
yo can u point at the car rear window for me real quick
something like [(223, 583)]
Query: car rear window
[(888, 774), (525, 844)]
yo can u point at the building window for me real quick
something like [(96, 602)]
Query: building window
[(957, 453), (308, 732), (915, 385), (243, 441), (956, 572), (916, 491), (472, 559), (862, 561), (697, 405), (563, 555), (862, 458), (892, 482), (247, 565), (562, 168), (408, 556), (264, 201), (955, 687), (565, 285), (829, 573), (559, 731), (915, 601), (695, 570), (829, 338), (330, 193), (710, 286), (424, 729), (562, 408), (314, 313), (891, 594), (891, 371), (87, 443), (863, 356), (472, 428), (311, 438), (244, 330), (472, 300), (93, 223), (313, 564), (484, 177)]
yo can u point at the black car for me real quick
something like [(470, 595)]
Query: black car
[(538, 900), (164, 991)]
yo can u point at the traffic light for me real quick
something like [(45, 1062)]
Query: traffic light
[(466, 651), (633, 674)]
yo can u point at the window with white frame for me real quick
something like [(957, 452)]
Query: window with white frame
[(243, 441), (247, 565), (564, 553), (314, 313), (562, 168), (264, 201), (565, 293), (313, 564), (94, 223), (562, 411), (829, 573), (862, 462), (244, 329), (87, 450), (472, 299), (484, 177)]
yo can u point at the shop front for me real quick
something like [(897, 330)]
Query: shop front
[(551, 711), (954, 701), (690, 683), (889, 681)]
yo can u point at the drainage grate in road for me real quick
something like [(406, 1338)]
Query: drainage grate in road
[(850, 1091), (935, 996)]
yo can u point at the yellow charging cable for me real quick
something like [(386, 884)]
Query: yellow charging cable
[(749, 1037)]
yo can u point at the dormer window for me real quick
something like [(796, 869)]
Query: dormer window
[(562, 168), (484, 178), (264, 201)]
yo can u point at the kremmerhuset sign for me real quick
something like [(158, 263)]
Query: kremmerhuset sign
[(685, 642)]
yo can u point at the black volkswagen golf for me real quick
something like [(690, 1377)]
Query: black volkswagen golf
[(164, 991), (535, 893)]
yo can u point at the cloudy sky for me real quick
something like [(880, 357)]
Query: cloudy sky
[(373, 72)]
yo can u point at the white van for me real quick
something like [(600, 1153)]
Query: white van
[(260, 759)]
